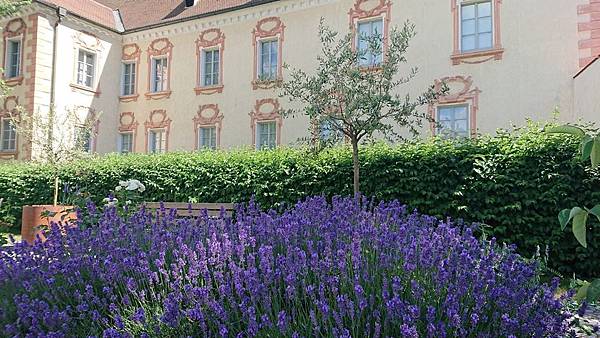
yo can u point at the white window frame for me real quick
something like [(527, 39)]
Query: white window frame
[(213, 138), (259, 144), (372, 62), (7, 65), (14, 139), (132, 79), (259, 71), (460, 26), (131, 144), (163, 144), (216, 71), (154, 77), (439, 129), (85, 75)]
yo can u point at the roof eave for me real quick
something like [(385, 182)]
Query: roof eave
[(73, 14), (199, 16)]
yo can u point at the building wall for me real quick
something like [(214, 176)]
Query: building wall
[(587, 87), (33, 93), (533, 77), (528, 76)]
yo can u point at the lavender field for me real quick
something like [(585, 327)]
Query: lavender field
[(344, 268)]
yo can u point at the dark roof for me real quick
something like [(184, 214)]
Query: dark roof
[(88, 9), (133, 15)]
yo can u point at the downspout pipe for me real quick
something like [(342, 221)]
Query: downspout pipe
[(61, 12)]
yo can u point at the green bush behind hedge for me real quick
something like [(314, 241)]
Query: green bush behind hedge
[(514, 183)]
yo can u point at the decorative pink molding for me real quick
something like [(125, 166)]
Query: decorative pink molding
[(31, 73), (14, 28), (9, 111), (496, 53), (208, 115), (363, 10), (158, 119), (159, 47), (461, 91), (271, 27), (128, 124), (9, 106), (588, 28), (132, 53), (209, 39), (266, 110)]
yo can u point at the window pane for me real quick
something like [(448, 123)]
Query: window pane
[(266, 138), (453, 121), (484, 9), (208, 137), (14, 58), (484, 25), (460, 112), (9, 136), (468, 27), (445, 114), (485, 40), (468, 42), (377, 28), (126, 143), (468, 12)]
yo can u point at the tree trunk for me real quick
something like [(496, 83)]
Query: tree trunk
[(356, 165)]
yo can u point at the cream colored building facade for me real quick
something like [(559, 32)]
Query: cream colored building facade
[(161, 86)]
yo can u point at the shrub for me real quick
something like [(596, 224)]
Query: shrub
[(515, 183), (349, 268)]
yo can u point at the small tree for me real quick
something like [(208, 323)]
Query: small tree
[(57, 138), (353, 90)]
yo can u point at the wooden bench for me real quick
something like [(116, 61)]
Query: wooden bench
[(193, 209)]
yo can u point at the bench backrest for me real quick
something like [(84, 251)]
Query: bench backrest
[(193, 209)]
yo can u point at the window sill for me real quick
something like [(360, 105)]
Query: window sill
[(84, 89), (129, 98), (476, 57), (208, 90), (266, 84), (13, 81), (158, 95), (8, 154)]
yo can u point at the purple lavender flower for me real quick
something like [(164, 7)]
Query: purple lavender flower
[(348, 267)]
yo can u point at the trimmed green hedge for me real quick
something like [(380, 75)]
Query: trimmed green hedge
[(514, 183)]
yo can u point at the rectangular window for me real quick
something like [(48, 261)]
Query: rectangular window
[(211, 62), (370, 31), (13, 58), (8, 136), (453, 121), (128, 79), (157, 142), (83, 139), (266, 135), (159, 74), (328, 132), (476, 26), (126, 143), (207, 138), (86, 68), (268, 59)]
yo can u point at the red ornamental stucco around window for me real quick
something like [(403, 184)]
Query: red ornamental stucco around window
[(209, 39), (461, 91), (266, 110)]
